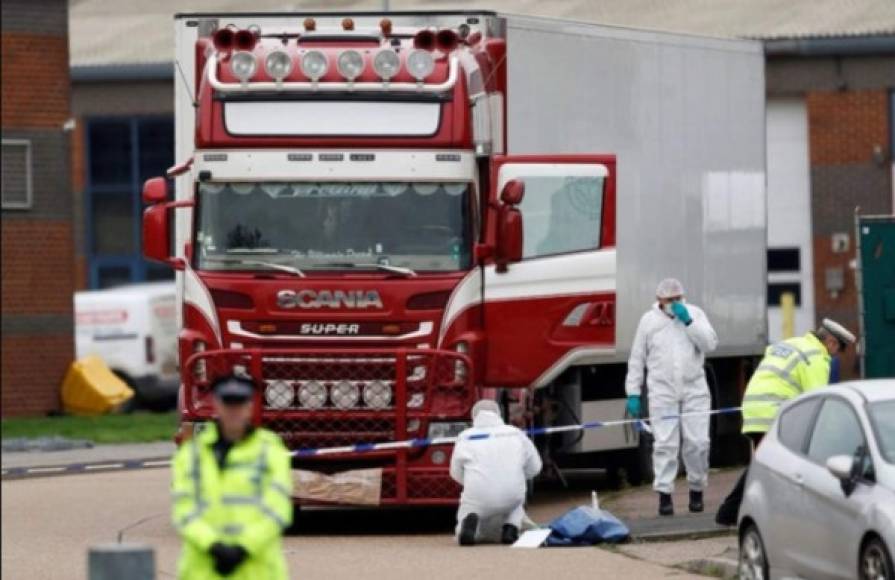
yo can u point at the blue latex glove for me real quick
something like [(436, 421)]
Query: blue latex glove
[(681, 312), (633, 405)]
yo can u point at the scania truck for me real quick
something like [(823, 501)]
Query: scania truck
[(381, 217)]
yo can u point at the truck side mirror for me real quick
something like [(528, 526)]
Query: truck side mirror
[(509, 225), (513, 191), (156, 236), (155, 190), (157, 223)]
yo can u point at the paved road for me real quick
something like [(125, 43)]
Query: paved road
[(47, 525)]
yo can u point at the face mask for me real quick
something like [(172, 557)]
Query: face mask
[(667, 308)]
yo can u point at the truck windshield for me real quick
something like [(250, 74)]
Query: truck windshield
[(333, 225)]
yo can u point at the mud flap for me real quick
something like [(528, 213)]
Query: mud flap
[(356, 487)]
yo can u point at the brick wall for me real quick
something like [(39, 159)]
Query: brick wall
[(850, 150), (38, 267)]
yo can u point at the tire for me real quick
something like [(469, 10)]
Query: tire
[(753, 561), (875, 562)]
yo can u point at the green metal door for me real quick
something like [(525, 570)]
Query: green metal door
[(877, 255)]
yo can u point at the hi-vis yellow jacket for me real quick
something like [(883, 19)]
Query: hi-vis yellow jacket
[(789, 368), (247, 503)]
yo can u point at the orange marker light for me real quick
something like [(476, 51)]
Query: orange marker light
[(310, 24), (267, 328), (391, 329), (385, 25), (347, 24)]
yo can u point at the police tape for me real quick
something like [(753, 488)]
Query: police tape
[(637, 423)]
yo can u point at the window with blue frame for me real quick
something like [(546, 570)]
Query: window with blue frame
[(122, 152)]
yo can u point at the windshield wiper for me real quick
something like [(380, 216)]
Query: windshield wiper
[(372, 266), (279, 267)]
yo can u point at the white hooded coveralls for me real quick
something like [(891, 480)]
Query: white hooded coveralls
[(673, 355), (493, 472)]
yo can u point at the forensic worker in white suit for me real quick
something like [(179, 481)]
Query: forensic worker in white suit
[(670, 345), (492, 461)]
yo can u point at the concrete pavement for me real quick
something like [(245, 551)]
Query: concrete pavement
[(96, 454), (48, 524)]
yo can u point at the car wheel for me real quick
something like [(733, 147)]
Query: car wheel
[(876, 563), (753, 557)]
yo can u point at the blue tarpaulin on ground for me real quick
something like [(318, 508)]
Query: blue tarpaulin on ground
[(586, 526)]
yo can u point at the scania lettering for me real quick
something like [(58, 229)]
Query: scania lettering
[(329, 299), (381, 218)]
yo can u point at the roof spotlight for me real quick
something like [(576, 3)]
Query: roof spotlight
[(350, 64), (386, 63), (420, 64), (314, 64), (278, 64), (243, 65)]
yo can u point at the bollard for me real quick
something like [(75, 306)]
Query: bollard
[(121, 562)]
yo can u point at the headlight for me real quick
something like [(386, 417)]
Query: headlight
[(416, 400), (459, 365), (350, 64), (420, 64), (446, 429), (418, 373), (314, 64), (243, 65), (386, 63), (312, 395), (278, 64), (377, 395), (200, 367), (344, 395), (279, 394)]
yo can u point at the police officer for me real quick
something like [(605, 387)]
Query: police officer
[(789, 368), (232, 492)]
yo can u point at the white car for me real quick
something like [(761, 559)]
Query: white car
[(820, 495), (134, 330)]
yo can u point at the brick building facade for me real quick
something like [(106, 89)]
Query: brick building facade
[(848, 97), (37, 222)]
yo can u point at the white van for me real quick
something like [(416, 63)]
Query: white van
[(134, 330)]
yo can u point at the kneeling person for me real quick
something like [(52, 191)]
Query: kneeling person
[(493, 470)]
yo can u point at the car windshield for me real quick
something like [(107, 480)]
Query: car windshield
[(883, 417), (303, 226)]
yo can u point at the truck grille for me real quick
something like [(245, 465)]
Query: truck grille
[(316, 398)]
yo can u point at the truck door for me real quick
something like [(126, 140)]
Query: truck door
[(555, 307)]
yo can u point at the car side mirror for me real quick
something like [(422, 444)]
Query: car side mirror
[(843, 468)]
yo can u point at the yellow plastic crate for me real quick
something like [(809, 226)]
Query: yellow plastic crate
[(91, 388)]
